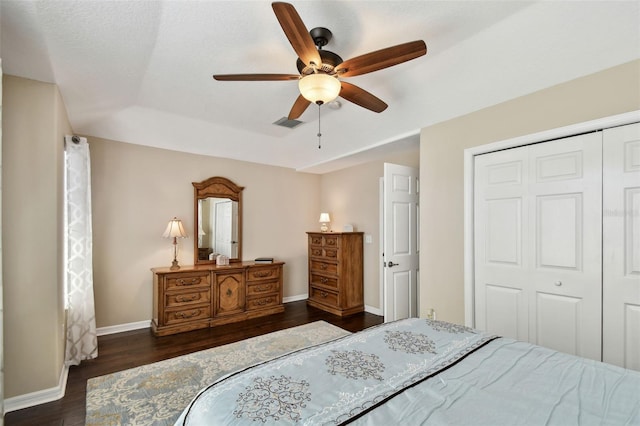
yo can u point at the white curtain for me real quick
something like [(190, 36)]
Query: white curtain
[(82, 340)]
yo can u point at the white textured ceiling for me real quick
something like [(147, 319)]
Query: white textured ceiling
[(141, 71)]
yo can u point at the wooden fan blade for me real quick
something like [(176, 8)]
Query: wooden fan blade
[(382, 58), (255, 77), (361, 97), (297, 33), (299, 106)]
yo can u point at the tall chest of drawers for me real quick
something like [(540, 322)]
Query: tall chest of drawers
[(335, 272), (209, 295)]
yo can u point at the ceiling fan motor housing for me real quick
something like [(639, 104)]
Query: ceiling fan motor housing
[(321, 37), (329, 61)]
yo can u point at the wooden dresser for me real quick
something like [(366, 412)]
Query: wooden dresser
[(335, 272), (207, 295)]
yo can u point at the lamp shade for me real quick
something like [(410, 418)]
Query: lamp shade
[(174, 229), (319, 88), (324, 217)]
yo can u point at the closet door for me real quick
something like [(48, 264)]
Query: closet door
[(501, 255), (565, 245), (537, 224), (621, 223)]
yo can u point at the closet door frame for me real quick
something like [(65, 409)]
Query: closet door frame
[(470, 153)]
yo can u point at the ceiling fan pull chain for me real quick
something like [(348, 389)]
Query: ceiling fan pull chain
[(319, 134)]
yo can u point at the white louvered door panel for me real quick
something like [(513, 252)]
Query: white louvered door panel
[(621, 246)]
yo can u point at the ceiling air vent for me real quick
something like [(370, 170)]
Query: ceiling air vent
[(290, 124)]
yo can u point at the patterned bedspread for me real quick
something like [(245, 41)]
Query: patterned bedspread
[(338, 381), (421, 372)]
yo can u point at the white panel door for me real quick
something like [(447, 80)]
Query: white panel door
[(565, 244), (400, 210), (223, 229), (537, 244), (621, 246), (501, 257)]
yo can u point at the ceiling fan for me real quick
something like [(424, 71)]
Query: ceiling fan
[(321, 70)]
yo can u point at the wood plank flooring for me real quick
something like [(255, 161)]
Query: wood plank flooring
[(134, 348)]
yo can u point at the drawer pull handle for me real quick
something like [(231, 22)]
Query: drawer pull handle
[(317, 252), (324, 294), (184, 315), (323, 266), (262, 274), (229, 292), (263, 287), (331, 242), (191, 298), (192, 281), (324, 280)]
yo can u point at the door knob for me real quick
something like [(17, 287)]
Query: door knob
[(391, 264)]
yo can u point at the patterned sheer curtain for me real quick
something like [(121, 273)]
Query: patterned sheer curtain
[(82, 340)]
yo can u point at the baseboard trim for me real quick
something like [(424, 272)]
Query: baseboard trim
[(39, 397), (113, 329), (297, 298), (373, 310)]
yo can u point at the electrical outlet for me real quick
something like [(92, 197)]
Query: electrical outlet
[(368, 239)]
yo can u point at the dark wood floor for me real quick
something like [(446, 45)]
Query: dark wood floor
[(134, 348)]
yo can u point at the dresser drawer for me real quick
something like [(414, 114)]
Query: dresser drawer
[(187, 298), (324, 267), (330, 253), (187, 280), (187, 314), (263, 302), (261, 288), (315, 240), (323, 296), (263, 273), (326, 253), (316, 251), (324, 281), (331, 241)]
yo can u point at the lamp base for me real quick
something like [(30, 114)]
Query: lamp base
[(174, 264), (324, 228)]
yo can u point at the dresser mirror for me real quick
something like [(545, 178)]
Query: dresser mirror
[(217, 220)]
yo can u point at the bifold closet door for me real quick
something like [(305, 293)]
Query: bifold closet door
[(621, 246), (565, 240), (537, 238), (501, 252)]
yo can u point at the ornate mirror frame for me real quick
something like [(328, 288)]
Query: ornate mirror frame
[(216, 187)]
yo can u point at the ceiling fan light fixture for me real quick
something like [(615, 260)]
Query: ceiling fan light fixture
[(319, 88)]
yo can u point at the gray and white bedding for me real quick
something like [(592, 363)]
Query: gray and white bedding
[(419, 371)]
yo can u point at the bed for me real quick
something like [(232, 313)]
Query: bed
[(419, 371)]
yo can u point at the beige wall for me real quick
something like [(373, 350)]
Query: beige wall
[(34, 123), (136, 190), (352, 196), (603, 94)]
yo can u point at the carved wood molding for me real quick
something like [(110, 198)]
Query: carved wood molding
[(218, 187)]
